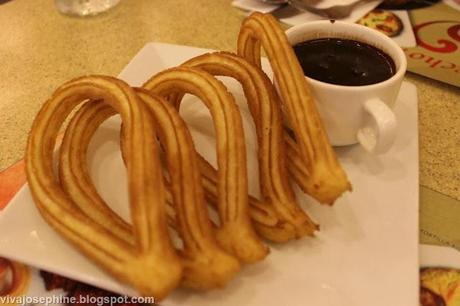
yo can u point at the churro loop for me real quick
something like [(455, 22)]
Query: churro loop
[(151, 264), (326, 180), (263, 104), (74, 176), (235, 232), (205, 264)]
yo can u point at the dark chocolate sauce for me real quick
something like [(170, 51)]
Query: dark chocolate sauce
[(344, 62)]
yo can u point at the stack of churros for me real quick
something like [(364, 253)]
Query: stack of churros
[(175, 194)]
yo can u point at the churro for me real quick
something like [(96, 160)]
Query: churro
[(326, 180), (264, 107), (205, 264), (150, 264), (235, 232)]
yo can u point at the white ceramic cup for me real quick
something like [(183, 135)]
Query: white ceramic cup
[(353, 114)]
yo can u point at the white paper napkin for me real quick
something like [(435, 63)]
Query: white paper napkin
[(292, 16), (255, 5)]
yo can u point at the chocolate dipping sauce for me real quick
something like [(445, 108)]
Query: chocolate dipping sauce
[(344, 62)]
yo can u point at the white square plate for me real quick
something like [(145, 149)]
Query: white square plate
[(366, 253)]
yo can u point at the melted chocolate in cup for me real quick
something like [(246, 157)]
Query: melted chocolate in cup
[(344, 62)]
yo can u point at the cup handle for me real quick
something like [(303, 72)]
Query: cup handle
[(379, 129)]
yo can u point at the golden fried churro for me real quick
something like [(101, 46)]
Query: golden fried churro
[(151, 264), (73, 170), (326, 179), (263, 105), (235, 233), (205, 264)]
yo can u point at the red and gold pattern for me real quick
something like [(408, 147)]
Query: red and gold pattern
[(14, 278), (448, 44)]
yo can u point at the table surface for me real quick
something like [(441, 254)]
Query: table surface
[(40, 49)]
